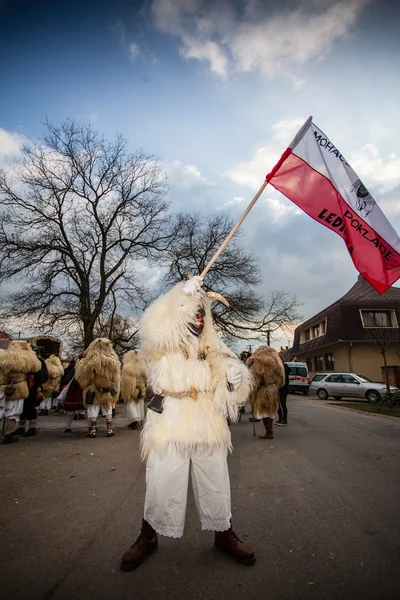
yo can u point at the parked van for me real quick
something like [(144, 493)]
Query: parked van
[(299, 380)]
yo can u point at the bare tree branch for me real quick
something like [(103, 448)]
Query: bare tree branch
[(76, 219), (235, 275)]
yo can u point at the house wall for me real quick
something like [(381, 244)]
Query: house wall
[(369, 362), (365, 360), (340, 357)]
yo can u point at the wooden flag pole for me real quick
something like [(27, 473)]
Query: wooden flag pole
[(234, 230)]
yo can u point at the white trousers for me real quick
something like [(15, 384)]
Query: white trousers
[(46, 403), (167, 480), (93, 411), (264, 415), (135, 410), (10, 409)]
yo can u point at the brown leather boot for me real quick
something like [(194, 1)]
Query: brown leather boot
[(110, 431), (228, 542), (269, 431), (92, 429), (146, 544)]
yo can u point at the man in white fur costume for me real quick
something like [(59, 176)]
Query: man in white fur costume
[(16, 365), (133, 386), (198, 383), (99, 375)]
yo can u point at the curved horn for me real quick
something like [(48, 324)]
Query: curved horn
[(218, 297)]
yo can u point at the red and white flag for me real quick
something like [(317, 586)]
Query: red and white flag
[(313, 174)]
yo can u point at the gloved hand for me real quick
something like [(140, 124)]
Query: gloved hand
[(193, 285), (233, 376)]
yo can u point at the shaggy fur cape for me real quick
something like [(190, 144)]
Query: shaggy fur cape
[(15, 362), (55, 371), (99, 359), (269, 375), (190, 372), (133, 379)]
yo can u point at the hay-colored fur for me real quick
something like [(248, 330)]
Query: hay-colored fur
[(180, 365), (99, 359), (19, 357), (15, 362), (55, 371), (133, 378), (269, 375)]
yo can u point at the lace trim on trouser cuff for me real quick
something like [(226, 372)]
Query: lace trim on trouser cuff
[(211, 525), (167, 530)]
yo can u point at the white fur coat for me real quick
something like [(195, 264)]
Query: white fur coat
[(190, 372)]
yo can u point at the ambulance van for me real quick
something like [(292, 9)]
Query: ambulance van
[(299, 380)]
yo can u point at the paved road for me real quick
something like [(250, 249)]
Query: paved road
[(319, 503)]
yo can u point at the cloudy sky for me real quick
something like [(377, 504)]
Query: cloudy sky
[(216, 89)]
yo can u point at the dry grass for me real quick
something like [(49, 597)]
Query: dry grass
[(386, 409)]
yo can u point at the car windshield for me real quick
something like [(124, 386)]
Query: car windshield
[(319, 377), (363, 379), (299, 371)]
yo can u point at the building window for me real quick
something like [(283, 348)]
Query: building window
[(309, 364), (318, 363), (378, 318), (323, 327), (316, 332), (304, 336), (329, 362)]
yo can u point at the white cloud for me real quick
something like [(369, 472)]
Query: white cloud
[(278, 207), (292, 38), (252, 172), (297, 82), (10, 143), (254, 37), (372, 167), (133, 50), (381, 175), (184, 176), (207, 51), (236, 201)]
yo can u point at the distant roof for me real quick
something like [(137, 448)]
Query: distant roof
[(4, 336), (361, 291)]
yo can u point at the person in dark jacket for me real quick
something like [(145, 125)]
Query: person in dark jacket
[(35, 381), (283, 392)]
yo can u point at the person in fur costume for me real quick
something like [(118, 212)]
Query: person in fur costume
[(35, 396), (52, 385), (99, 375), (269, 375), (198, 383), (133, 386), (16, 363)]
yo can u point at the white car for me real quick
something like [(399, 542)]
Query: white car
[(350, 385)]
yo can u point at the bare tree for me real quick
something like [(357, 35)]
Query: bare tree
[(77, 217), (235, 275)]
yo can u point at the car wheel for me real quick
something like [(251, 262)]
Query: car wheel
[(373, 396), (305, 393), (322, 394), (337, 397)]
